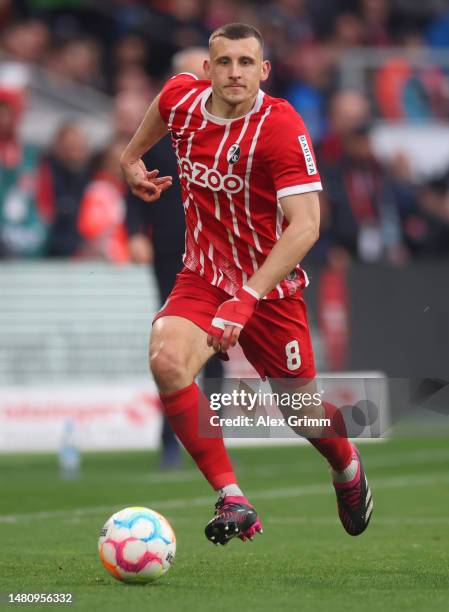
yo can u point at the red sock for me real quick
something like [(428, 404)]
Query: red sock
[(337, 449), (182, 408)]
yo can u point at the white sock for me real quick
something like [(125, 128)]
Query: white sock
[(347, 474), (230, 489)]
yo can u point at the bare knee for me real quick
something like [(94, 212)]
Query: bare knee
[(168, 368), (178, 351)]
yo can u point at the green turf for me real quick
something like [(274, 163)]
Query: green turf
[(303, 561)]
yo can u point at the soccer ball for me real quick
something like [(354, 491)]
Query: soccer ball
[(137, 545)]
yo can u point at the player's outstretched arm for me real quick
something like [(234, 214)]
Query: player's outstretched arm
[(144, 184), (302, 212)]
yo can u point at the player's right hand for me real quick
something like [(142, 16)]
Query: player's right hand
[(144, 184), (230, 319)]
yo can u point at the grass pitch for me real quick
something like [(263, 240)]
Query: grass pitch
[(303, 561)]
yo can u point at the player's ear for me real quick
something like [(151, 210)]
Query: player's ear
[(266, 69), (206, 68)]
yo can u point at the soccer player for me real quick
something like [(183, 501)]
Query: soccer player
[(250, 194)]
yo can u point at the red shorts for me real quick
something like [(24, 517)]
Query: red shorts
[(276, 340)]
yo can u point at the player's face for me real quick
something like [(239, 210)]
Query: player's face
[(236, 69)]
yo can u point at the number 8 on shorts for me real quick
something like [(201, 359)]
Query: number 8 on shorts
[(293, 356)]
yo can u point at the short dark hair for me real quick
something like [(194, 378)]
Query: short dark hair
[(236, 31)]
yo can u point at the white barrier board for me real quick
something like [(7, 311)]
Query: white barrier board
[(108, 416)]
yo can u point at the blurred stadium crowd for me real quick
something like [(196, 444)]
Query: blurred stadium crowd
[(66, 200)]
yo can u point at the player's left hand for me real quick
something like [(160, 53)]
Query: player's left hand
[(230, 319)]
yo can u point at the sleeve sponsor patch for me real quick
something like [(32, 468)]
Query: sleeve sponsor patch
[(308, 157)]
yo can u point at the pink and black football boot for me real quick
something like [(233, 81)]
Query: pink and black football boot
[(234, 517), (354, 500)]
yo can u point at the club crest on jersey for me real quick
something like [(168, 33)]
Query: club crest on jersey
[(210, 178), (233, 154)]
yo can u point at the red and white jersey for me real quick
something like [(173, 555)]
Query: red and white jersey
[(233, 173)]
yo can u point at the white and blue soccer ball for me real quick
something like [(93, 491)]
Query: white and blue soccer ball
[(137, 545)]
